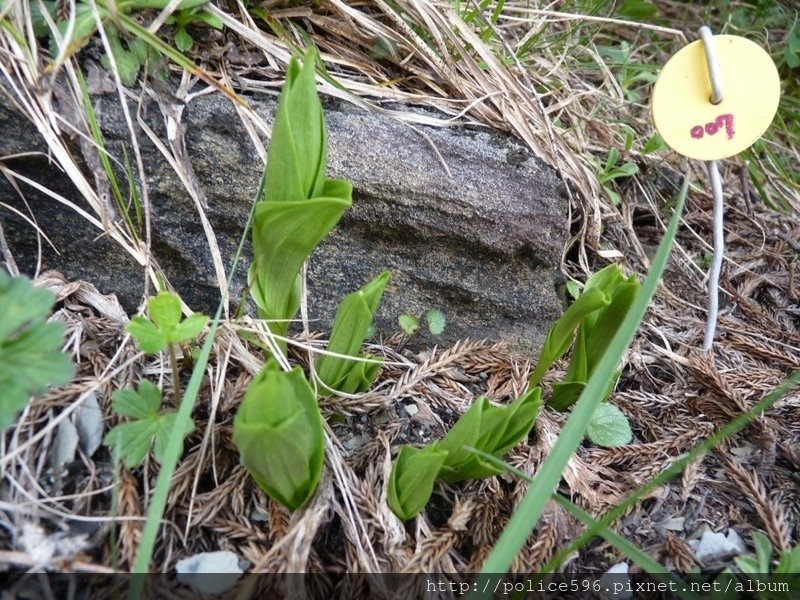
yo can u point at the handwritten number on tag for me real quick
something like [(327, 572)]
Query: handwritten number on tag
[(726, 120)]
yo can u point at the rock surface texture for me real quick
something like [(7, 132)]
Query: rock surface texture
[(480, 240)]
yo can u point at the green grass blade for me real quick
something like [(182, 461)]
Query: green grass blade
[(675, 468), (631, 551), (634, 554), (530, 510)]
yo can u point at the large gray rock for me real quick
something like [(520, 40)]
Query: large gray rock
[(482, 245)]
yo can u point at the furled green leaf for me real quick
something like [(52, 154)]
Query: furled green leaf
[(130, 442), (494, 430), (491, 429), (562, 333), (609, 427), (413, 476), (297, 153), (353, 319), (30, 356), (465, 432), (278, 432), (436, 321), (408, 323), (362, 374), (523, 412), (165, 326), (284, 236)]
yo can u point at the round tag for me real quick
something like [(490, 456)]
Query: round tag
[(681, 106)]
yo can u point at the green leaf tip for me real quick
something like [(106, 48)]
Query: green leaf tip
[(413, 476), (278, 432), (350, 329)]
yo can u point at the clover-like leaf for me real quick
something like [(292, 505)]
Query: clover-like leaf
[(408, 323), (609, 427), (164, 327), (130, 442), (30, 348)]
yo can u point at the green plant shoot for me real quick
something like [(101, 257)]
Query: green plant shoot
[(596, 314), (494, 430), (350, 329), (296, 206), (278, 432), (595, 331), (130, 442), (30, 348), (413, 476)]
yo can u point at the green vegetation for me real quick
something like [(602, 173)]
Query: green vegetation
[(493, 430), (434, 318), (595, 390), (278, 432), (30, 348), (130, 442), (297, 206), (129, 54), (279, 428), (350, 328)]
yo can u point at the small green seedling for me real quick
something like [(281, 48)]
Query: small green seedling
[(434, 318), (297, 206), (350, 329), (278, 432), (494, 430), (30, 348), (611, 171), (408, 323), (194, 15), (130, 442), (589, 325)]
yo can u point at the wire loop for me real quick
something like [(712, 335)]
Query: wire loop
[(712, 63)]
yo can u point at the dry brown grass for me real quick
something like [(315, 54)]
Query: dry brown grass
[(674, 395)]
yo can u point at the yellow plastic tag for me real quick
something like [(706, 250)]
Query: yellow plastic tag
[(681, 106)]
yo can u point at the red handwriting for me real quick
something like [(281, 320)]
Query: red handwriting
[(726, 120)]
